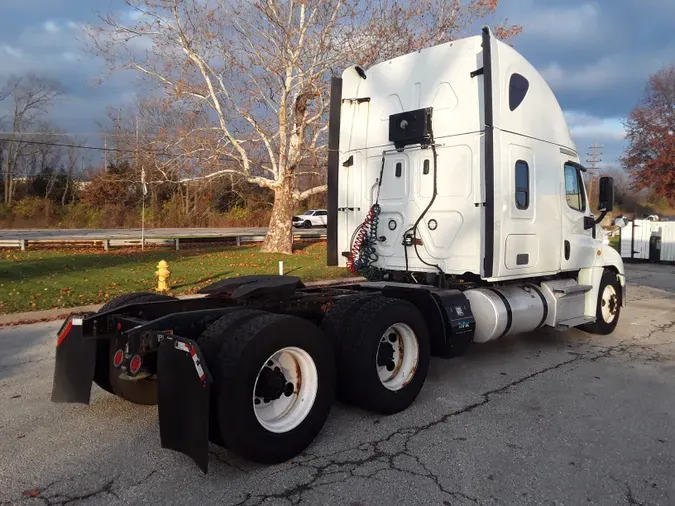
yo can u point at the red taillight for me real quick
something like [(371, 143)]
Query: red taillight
[(64, 334), (135, 364), (118, 358)]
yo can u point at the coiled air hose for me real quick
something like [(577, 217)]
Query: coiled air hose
[(362, 252)]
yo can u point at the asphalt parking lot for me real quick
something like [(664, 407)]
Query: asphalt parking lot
[(545, 418)]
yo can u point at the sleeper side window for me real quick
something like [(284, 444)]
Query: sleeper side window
[(574, 189), (518, 87), (522, 185)]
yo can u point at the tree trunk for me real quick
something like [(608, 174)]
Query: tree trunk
[(65, 191), (279, 238), (8, 178), (7, 183)]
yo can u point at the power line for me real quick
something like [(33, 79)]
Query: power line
[(79, 146), (119, 150), (66, 134)]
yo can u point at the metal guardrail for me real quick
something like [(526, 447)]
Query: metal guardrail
[(109, 242)]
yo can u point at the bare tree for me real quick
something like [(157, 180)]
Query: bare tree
[(261, 68), (31, 97), (73, 159)]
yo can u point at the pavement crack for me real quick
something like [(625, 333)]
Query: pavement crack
[(59, 499), (105, 489), (144, 479), (378, 454), (630, 497), (227, 462), (627, 346)]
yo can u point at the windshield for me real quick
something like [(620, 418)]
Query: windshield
[(308, 213)]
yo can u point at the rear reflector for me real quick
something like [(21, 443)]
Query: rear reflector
[(118, 358), (135, 364), (64, 334)]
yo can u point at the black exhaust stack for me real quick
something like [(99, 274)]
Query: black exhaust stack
[(333, 164)]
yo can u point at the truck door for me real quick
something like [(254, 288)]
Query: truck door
[(579, 246)]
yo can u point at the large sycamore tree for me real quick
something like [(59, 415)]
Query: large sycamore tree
[(650, 130), (261, 69)]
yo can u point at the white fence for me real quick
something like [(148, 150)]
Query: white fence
[(638, 237)]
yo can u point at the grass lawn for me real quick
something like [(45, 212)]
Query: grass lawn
[(46, 278), (615, 242)]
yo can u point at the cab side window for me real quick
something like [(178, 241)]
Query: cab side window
[(574, 189), (522, 185)]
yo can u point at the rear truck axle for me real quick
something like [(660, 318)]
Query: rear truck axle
[(253, 363)]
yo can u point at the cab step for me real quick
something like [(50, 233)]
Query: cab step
[(572, 289), (573, 322)]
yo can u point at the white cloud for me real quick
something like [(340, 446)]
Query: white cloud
[(133, 14), (51, 26), (614, 70), (562, 24), (12, 51), (587, 129), (582, 124), (594, 75)]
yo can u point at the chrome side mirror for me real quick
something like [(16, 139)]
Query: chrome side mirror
[(620, 222)]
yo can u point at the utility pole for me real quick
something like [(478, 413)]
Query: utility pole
[(105, 154), (143, 190), (593, 159)]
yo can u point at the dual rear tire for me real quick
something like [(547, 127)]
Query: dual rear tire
[(273, 384), (382, 348), (275, 376)]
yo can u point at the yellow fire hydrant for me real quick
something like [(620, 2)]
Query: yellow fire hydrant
[(162, 274)]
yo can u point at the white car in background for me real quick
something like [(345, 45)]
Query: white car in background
[(311, 218)]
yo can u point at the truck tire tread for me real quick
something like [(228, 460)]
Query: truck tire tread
[(338, 317), (239, 360), (210, 343), (599, 326), (358, 382)]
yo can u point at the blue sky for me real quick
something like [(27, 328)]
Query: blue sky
[(596, 55)]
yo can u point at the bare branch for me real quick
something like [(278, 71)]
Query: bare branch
[(300, 196)]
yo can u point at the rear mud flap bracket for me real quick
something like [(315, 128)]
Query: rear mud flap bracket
[(183, 398)]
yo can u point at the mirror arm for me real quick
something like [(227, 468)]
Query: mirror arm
[(600, 218)]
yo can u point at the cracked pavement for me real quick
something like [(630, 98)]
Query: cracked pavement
[(545, 418)]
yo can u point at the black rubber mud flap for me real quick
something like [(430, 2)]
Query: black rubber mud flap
[(183, 393), (75, 363)]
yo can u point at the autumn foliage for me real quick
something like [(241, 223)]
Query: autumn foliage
[(650, 128)]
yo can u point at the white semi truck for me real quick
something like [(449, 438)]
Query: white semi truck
[(454, 187)]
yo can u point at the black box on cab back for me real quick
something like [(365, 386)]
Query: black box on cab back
[(410, 127)]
